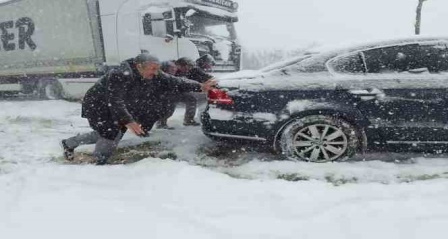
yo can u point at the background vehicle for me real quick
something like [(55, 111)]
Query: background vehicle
[(329, 106), (60, 48)]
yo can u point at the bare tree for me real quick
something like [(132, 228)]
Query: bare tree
[(419, 16)]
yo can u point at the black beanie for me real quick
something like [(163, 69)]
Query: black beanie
[(146, 57)]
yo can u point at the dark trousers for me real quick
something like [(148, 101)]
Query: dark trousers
[(104, 148), (190, 102)]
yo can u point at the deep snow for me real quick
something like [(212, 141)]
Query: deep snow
[(233, 195)]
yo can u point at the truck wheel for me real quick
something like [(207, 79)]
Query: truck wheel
[(321, 139), (50, 90)]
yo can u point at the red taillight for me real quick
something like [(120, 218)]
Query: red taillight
[(219, 97)]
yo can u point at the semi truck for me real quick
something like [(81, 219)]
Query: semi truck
[(59, 48)]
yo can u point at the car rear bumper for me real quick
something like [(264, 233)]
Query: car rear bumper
[(231, 126)]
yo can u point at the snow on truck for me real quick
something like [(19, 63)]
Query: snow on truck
[(59, 48)]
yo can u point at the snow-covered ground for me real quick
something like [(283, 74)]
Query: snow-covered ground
[(236, 195)]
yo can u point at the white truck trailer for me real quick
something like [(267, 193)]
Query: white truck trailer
[(59, 48)]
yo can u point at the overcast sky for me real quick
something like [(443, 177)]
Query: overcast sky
[(297, 23)]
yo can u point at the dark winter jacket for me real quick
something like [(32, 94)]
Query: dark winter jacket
[(197, 74), (123, 96)]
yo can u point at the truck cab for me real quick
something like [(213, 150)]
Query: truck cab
[(61, 50), (171, 29)]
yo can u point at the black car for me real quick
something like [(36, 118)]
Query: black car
[(328, 106)]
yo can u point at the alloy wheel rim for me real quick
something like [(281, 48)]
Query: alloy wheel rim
[(320, 143)]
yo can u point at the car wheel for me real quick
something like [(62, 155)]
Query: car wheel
[(50, 90), (321, 139)]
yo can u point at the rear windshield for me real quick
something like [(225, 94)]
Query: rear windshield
[(283, 64)]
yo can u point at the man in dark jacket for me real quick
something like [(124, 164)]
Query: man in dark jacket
[(186, 68), (206, 62), (133, 97)]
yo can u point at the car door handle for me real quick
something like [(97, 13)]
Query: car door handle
[(368, 94)]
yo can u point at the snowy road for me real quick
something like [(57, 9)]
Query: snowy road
[(233, 195)]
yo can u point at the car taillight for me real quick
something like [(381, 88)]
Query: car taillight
[(219, 97)]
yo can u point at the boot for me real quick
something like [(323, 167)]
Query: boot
[(191, 123), (101, 160), (162, 124), (69, 153)]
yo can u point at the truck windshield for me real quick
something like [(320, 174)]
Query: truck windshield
[(203, 26)]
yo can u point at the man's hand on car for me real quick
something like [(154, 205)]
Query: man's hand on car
[(208, 85)]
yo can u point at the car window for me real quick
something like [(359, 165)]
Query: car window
[(352, 63), (434, 57), (407, 58)]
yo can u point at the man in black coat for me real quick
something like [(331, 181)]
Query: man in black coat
[(186, 68), (191, 70), (206, 62), (134, 97)]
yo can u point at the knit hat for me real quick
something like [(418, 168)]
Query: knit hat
[(185, 61), (146, 57)]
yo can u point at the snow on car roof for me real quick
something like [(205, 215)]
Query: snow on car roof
[(286, 63), (356, 46), (311, 68), (328, 51), (317, 57), (324, 53), (245, 74), (7, 1)]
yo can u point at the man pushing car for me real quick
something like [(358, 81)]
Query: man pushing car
[(132, 97)]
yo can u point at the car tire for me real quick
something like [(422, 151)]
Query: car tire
[(50, 90), (321, 139)]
